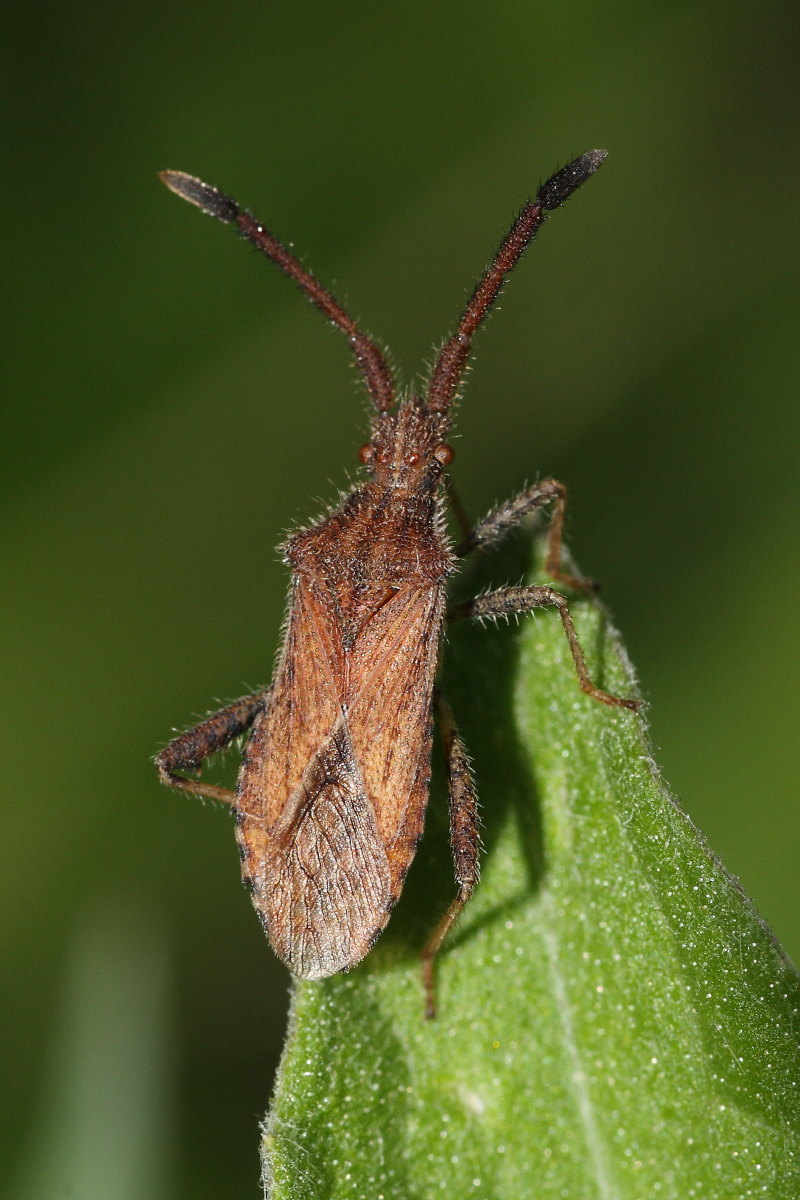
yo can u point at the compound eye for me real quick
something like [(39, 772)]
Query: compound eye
[(444, 454), (366, 453)]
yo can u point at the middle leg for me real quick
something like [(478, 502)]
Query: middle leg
[(189, 751), (510, 600)]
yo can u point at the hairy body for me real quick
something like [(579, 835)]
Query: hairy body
[(334, 782), (333, 787)]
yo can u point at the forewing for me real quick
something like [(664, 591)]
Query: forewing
[(389, 715), (334, 784), (304, 706)]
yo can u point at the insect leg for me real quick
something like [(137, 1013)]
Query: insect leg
[(506, 601), (464, 841), (191, 749), (496, 523)]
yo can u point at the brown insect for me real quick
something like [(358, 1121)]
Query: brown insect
[(334, 780)]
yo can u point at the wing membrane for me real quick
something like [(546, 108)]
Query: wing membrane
[(326, 895)]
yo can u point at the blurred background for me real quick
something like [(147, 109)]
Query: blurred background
[(171, 407)]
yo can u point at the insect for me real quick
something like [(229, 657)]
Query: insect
[(334, 778)]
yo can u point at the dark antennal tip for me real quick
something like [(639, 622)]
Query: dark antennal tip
[(203, 195), (561, 185)]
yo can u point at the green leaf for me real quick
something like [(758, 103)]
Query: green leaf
[(614, 1018)]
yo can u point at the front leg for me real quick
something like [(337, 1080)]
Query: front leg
[(496, 523), (189, 751)]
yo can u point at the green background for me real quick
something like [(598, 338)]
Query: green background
[(171, 407)]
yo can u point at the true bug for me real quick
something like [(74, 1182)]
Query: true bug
[(334, 779)]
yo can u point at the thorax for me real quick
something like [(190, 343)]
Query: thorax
[(377, 537)]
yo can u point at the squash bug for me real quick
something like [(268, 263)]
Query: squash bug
[(334, 778)]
